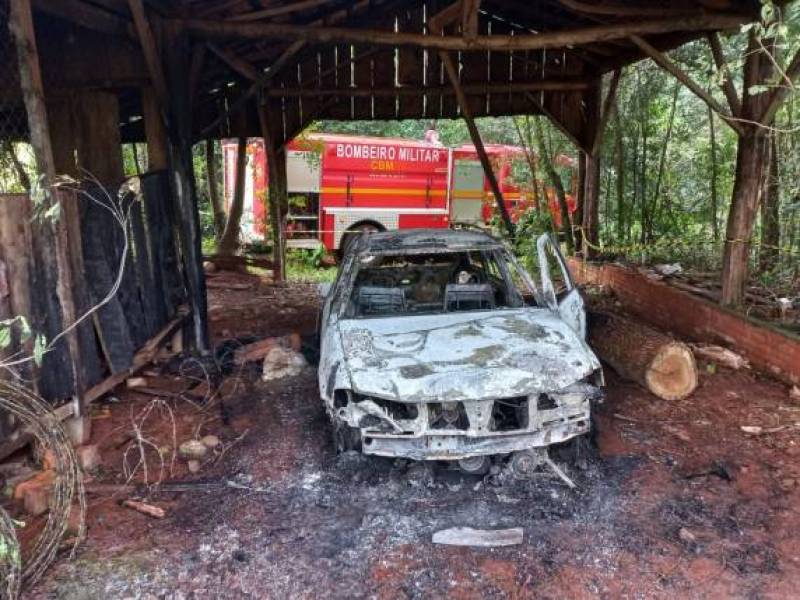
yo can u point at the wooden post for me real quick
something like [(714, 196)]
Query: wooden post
[(155, 132), (21, 19), (278, 188), (178, 67), (475, 135), (63, 135)]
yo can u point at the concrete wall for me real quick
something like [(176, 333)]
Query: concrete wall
[(696, 319)]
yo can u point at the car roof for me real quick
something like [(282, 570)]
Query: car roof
[(408, 241)]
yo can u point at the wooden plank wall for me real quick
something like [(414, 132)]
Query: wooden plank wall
[(150, 290)]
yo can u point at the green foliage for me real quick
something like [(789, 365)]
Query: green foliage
[(306, 265), (9, 326), (530, 226)]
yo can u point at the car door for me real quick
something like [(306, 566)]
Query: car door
[(557, 285)]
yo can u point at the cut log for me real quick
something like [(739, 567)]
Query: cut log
[(654, 360)]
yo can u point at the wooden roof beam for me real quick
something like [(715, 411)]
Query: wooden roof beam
[(279, 10), (550, 39), (85, 15), (615, 9), (469, 18), (470, 89), (241, 66), (151, 54), (281, 62)]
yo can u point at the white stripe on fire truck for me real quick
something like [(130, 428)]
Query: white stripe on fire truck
[(399, 211)]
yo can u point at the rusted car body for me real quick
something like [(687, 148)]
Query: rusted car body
[(438, 345)]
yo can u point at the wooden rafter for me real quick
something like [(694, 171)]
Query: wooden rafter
[(278, 10), (570, 135), (150, 51), (679, 74), (469, 89), (466, 113), (241, 66), (241, 102), (85, 15), (616, 9), (451, 12), (469, 18), (539, 41), (277, 66), (722, 66)]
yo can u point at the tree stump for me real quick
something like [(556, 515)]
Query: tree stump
[(636, 352)]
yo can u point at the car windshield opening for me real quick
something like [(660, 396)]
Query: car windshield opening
[(471, 280)]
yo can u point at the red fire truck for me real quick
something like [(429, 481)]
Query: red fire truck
[(342, 184)]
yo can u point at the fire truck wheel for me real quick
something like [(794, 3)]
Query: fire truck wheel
[(352, 234)]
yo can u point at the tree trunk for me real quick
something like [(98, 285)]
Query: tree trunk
[(136, 164), (644, 236), (714, 200), (276, 165), (655, 361), (634, 169), (558, 185), (229, 241), (619, 166), (663, 159), (217, 208), (747, 188), (770, 212), (580, 199), (591, 199), (751, 168)]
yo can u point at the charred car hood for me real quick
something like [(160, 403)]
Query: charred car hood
[(463, 356)]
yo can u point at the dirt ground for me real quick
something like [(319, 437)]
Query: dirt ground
[(677, 501)]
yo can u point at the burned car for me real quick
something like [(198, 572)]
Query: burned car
[(438, 345)]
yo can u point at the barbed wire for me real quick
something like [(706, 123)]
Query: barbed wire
[(44, 425)]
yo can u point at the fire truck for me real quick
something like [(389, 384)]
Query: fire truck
[(341, 184)]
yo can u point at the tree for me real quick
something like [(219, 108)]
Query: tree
[(546, 160), (766, 84), (229, 241), (215, 200)]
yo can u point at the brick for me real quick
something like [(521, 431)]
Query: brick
[(35, 493), (696, 318)]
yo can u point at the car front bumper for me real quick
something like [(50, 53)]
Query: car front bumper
[(455, 446)]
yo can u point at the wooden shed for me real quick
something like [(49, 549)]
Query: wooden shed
[(80, 77)]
